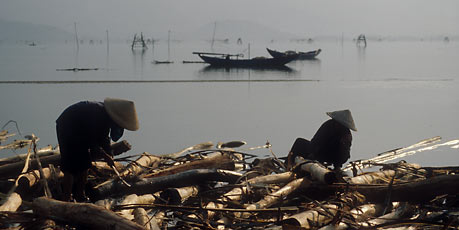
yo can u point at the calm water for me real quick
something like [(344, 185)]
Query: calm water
[(398, 92)]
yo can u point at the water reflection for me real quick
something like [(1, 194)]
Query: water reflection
[(361, 53), (284, 69), (361, 70), (138, 59), (246, 73)]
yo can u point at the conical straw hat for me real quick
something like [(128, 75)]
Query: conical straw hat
[(344, 117), (122, 113)]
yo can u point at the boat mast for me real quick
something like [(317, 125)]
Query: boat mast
[(168, 45), (107, 40), (76, 36), (249, 50), (213, 36)]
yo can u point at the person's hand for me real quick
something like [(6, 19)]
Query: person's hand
[(110, 161), (108, 158)]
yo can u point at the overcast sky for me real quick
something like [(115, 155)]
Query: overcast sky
[(318, 17)]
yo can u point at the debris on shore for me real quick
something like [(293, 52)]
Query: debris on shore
[(225, 186)]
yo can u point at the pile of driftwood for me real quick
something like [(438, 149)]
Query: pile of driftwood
[(224, 186)]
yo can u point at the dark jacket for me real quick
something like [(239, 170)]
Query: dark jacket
[(332, 143), (82, 129)]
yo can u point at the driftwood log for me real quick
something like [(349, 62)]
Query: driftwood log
[(89, 215), (14, 169), (409, 191), (103, 168), (182, 179), (319, 172), (218, 160), (32, 178), (278, 195), (179, 195), (12, 203), (311, 218), (359, 215), (141, 218), (236, 193), (402, 211), (135, 168), (373, 177), (46, 151), (127, 213), (135, 199), (145, 161)]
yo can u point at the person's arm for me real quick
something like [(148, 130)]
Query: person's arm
[(322, 137), (100, 148), (344, 149)]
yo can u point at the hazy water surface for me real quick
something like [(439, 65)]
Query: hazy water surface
[(398, 92)]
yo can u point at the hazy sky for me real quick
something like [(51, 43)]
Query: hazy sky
[(318, 17)]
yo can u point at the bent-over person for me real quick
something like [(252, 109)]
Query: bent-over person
[(83, 131)]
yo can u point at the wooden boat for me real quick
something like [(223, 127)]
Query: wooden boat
[(233, 60), (300, 55)]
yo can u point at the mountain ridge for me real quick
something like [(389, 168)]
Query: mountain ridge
[(23, 31)]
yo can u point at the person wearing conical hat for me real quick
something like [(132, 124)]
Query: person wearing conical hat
[(84, 130), (331, 144)]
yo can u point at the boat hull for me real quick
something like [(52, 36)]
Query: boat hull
[(254, 62), (300, 55)]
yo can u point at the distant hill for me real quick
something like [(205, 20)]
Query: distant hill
[(234, 29), (21, 31)]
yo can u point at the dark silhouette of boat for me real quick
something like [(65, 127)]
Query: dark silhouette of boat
[(235, 60), (281, 68), (300, 55), (78, 69)]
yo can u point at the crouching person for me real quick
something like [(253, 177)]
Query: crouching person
[(330, 145)]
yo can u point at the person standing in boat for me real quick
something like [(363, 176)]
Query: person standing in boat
[(331, 144), (83, 132)]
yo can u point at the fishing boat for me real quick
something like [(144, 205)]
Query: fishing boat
[(300, 55), (236, 60)]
